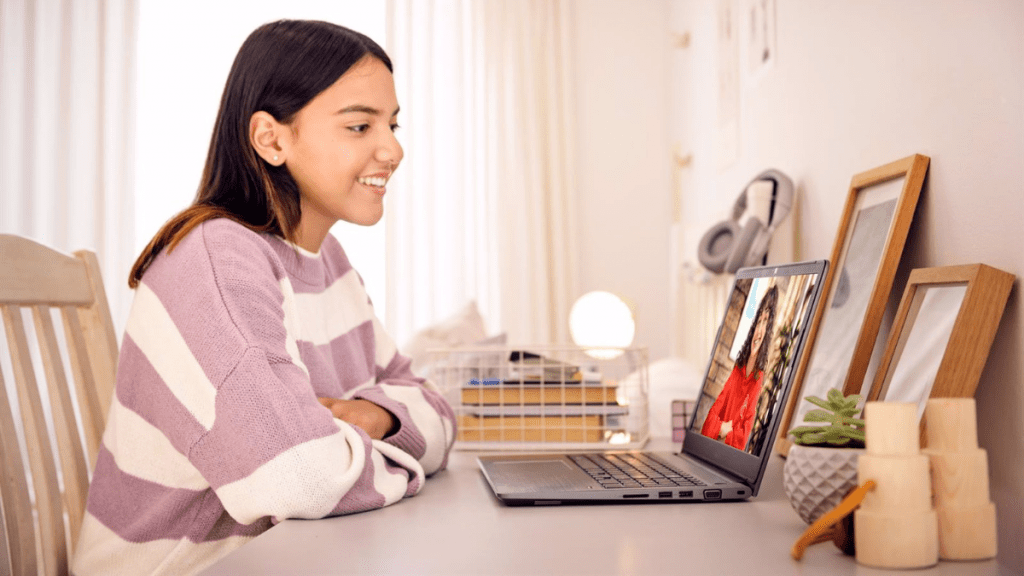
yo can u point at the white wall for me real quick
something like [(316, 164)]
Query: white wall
[(624, 150), (856, 85)]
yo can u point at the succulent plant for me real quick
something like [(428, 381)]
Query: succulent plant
[(840, 428)]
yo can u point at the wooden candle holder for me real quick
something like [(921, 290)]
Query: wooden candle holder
[(896, 525), (959, 469)]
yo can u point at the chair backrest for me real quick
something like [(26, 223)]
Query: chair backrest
[(40, 282)]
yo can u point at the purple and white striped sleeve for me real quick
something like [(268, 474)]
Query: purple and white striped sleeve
[(258, 435), (427, 422)]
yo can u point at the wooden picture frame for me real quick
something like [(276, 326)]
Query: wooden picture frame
[(942, 333), (872, 231)]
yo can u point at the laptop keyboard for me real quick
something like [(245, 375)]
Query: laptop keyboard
[(632, 471)]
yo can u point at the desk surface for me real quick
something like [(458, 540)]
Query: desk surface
[(455, 526)]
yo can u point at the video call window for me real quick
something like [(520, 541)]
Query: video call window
[(765, 316)]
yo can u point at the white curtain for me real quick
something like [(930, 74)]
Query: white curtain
[(482, 208), (66, 82)]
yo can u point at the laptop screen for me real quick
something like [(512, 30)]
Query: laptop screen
[(754, 357)]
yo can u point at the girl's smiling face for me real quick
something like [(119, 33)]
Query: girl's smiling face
[(342, 150)]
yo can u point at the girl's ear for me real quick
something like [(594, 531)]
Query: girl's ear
[(268, 137)]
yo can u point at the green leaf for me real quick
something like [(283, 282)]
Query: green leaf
[(818, 402), (832, 433), (835, 396), (857, 435), (812, 438), (842, 441), (819, 416), (852, 421)]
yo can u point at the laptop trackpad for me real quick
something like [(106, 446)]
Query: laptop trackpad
[(531, 475)]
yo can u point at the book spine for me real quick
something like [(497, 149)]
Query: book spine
[(538, 395), (531, 428)]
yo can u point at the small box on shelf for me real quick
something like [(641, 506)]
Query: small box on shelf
[(682, 412)]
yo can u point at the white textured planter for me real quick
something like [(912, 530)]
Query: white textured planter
[(816, 479)]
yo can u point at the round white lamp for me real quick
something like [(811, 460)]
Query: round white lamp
[(602, 324)]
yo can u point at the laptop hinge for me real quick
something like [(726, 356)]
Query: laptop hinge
[(725, 474)]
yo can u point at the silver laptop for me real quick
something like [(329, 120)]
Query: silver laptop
[(729, 439)]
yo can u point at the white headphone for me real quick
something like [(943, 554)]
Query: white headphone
[(726, 247)]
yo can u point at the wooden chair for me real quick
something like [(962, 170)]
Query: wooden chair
[(40, 280)]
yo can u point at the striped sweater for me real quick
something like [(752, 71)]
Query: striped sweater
[(215, 432)]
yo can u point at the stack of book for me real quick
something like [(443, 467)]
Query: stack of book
[(541, 400)]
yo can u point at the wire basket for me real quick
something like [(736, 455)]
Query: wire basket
[(544, 397)]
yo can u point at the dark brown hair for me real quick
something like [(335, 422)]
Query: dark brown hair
[(280, 67), (767, 306)]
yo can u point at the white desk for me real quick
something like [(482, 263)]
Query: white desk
[(455, 526)]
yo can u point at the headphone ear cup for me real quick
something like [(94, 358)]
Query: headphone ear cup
[(717, 244), (741, 252)]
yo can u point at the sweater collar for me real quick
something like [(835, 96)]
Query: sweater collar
[(300, 263), (301, 250)]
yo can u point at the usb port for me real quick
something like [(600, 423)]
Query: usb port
[(712, 494), (686, 494), (665, 494)]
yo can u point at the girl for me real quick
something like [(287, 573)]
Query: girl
[(732, 415), (255, 382)]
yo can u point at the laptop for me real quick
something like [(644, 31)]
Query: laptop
[(729, 438)]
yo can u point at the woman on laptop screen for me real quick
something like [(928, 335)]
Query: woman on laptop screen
[(732, 415)]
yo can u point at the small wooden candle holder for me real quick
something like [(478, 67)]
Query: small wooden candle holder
[(967, 518), (896, 525)]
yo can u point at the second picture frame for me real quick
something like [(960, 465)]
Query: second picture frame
[(941, 336)]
